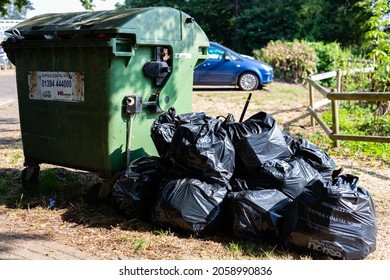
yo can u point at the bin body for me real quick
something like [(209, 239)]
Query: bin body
[(86, 100)]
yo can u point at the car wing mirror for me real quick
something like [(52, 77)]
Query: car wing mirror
[(227, 56)]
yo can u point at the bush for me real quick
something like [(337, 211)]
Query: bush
[(292, 61), (330, 56)]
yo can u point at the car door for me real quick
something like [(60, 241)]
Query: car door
[(220, 69)]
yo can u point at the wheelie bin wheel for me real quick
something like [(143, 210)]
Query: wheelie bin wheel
[(100, 193), (92, 195), (30, 176)]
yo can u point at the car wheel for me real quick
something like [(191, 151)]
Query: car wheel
[(248, 81)]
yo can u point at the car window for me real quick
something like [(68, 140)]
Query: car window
[(216, 53), (234, 57)]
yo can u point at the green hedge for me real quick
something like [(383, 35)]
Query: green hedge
[(294, 61)]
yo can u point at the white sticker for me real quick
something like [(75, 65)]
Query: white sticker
[(183, 55), (56, 86)]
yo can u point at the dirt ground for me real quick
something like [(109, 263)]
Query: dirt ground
[(102, 234)]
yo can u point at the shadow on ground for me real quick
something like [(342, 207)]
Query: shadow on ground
[(7, 240)]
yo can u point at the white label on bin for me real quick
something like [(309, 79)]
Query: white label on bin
[(183, 55), (56, 86)]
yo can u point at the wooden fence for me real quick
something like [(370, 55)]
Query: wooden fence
[(333, 97)]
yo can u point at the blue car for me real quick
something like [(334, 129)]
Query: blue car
[(226, 67)]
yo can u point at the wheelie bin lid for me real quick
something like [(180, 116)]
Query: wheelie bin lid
[(150, 24)]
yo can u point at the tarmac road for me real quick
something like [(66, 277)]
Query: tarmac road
[(7, 87), (9, 112)]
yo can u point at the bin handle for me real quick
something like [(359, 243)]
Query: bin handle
[(14, 34), (117, 41)]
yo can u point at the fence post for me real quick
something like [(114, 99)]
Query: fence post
[(311, 96), (335, 111)]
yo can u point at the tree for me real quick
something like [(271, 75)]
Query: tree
[(266, 21), (216, 18), (6, 5), (26, 4), (336, 20), (246, 25), (312, 20), (378, 47)]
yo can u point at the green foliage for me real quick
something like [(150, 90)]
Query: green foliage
[(19, 4), (258, 22), (331, 56), (357, 81), (19, 202), (310, 20), (4, 187), (333, 20), (378, 45), (252, 249), (87, 4), (266, 21), (292, 61), (140, 245), (252, 24), (357, 118), (27, 4), (54, 183), (214, 17)]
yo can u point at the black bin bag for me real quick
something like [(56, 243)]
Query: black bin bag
[(165, 126), (288, 176), (337, 219), (135, 192), (256, 140), (258, 214), (203, 151), (316, 157), (190, 206)]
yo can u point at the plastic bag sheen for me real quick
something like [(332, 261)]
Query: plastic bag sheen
[(204, 151), (189, 205), (337, 219), (165, 126), (256, 140), (289, 177), (258, 214), (135, 192)]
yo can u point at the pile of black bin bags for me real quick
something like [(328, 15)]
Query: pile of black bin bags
[(251, 178)]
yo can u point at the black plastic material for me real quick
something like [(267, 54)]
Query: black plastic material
[(336, 219), (135, 192), (288, 176), (165, 126), (253, 177), (203, 151), (256, 140), (189, 206), (316, 157), (258, 215)]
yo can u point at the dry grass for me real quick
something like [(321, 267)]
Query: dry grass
[(103, 233)]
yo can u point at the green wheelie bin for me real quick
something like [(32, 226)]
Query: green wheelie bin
[(90, 84)]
